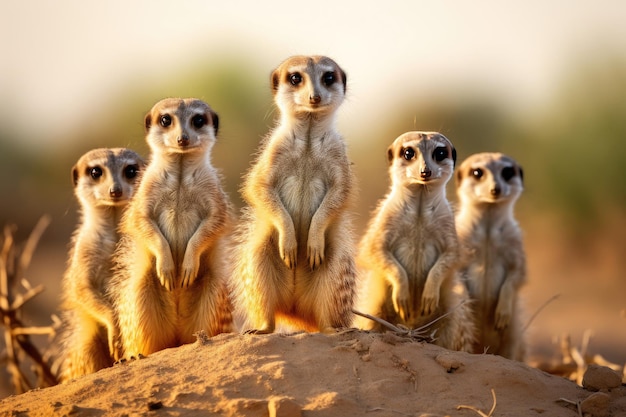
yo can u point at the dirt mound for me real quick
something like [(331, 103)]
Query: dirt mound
[(351, 373)]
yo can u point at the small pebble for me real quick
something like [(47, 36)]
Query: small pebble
[(598, 378)]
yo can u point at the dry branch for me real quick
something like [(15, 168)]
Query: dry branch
[(18, 346)]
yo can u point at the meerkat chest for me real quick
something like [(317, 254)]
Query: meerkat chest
[(182, 203), (488, 255), (304, 178), (419, 237)]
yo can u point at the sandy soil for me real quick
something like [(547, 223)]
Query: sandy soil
[(346, 374)]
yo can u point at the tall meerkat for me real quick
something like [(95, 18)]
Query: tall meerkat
[(293, 262), (409, 254), (170, 278), (494, 262), (104, 181)]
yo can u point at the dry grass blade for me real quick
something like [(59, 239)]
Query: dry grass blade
[(479, 412)]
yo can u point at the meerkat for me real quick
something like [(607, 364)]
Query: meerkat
[(170, 277), (494, 261), (104, 181), (409, 254), (294, 255)]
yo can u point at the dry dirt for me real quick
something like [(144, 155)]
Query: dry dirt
[(350, 373)]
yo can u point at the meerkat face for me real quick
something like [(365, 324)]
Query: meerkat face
[(425, 158), (490, 178), (106, 176), (181, 125), (308, 84)]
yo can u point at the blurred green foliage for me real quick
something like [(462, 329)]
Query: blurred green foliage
[(572, 150)]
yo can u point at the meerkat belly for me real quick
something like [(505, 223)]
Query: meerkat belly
[(302, 197), (417, 255), (178, 223), (487, 274)]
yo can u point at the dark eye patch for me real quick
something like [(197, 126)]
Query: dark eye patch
[(131, 171), (440, 153), (477, 173), (328, 78), (295, 78), (165, 120), (199, 120), (95, 172), (508, 173), (408, 153)]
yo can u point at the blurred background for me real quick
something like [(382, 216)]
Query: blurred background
[(544, 82)]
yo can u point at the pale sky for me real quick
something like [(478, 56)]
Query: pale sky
[(61, 59)]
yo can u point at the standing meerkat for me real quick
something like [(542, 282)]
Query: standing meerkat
[(293, 262), (104, 181), (409, 254), (494, 262), (170, 277)]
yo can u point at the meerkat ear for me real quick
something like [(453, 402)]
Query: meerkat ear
[(75, 175), (147, 121), (453, 156), (344, 79), (390, 154), (459, 177), (275, 81), (521, 173), (215, 121)]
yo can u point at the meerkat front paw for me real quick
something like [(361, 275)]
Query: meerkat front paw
[(190, 268), (430, 298), (288, 248), (504, 312), (315, 249), (166, 270), (401, 302)]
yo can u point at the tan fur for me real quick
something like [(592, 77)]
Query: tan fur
[(409, 254), (494, 263), (294, 255), (104, 181), (170, 279)]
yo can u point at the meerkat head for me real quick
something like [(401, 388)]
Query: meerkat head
[(308, 84), (489, 178), (106, 176), (425, 158), (181, 125)]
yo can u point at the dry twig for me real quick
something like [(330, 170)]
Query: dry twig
[(13, 262)]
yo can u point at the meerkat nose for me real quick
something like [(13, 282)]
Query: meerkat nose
[(425, 173), (183, 140), (315, 99), (115, 191), (495, 191)]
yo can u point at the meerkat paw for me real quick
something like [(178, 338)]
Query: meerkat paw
[(288, 248), (401, 302), (166, 270), (430, 299), (503, 315), (190, 269), (315, 250)]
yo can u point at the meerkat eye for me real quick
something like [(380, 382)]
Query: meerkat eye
[(440, 153), (131, 171), (408, 153), (165, 120), (328, 78), (477, 173), (95, 172), (199, 120), (508, 173), (295, 78)]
